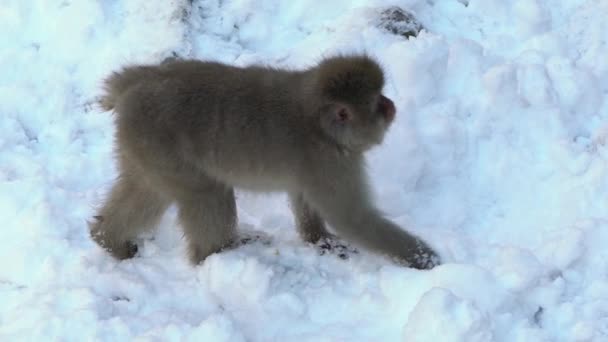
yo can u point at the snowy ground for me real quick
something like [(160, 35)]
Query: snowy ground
[(498, 157)]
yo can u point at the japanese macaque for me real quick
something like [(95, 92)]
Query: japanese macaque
[(189, 132)]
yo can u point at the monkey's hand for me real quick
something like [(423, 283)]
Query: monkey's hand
[(390, 239), (332, 245), (248, 237)]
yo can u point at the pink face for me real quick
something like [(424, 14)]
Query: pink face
[(386, 107)]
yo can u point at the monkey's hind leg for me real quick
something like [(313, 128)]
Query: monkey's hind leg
[(130, 209), (208, 217), (309, 224)]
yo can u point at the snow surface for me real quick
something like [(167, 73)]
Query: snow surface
[(498, 158)]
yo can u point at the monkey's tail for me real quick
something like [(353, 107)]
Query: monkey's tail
[(119, 82)]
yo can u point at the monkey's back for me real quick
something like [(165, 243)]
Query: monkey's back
[(233, 124)]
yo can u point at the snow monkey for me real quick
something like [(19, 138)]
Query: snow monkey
[(189, 132)]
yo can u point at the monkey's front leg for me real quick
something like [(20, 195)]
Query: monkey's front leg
[(386, 237), (366, 227), (344, 202)]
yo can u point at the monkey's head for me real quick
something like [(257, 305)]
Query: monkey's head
[(353, 111)]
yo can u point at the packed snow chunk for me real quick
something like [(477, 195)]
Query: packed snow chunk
[(442, 316), (531, 17), (443, 140), (516, 268), (79, 19), (215, 328), (423, 62), (234, 279), (561, 248), (472, 283), (397, 21), (496, 10), (286, 304), (154, 27), (534, 85), (585, 32), (54, 317), (468, 282), (577, 88), (464, 70), (500, 87)]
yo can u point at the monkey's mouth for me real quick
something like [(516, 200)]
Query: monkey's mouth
[(389, 115)]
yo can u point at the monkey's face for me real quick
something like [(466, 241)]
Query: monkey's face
[(360, 125)]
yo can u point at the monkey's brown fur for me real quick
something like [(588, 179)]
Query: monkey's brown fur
[(190, 131)]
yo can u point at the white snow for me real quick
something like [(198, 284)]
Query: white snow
[(498, 157)]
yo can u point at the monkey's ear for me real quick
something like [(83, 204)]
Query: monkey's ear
[(335, 116), (342, 114)]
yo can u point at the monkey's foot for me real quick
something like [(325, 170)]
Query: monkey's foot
[(119, 249), (246, 238), (198, 255), (332, 245), (126, 250), (422, 257), (252, 237)]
